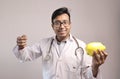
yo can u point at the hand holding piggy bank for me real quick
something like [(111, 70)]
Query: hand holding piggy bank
[(94, 46)]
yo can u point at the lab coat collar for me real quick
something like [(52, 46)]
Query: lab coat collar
[(68, 39)]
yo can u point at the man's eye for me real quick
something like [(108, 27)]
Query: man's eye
[(57, 23), (64, 22)]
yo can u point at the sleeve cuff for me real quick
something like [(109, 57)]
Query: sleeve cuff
[(89, 75)]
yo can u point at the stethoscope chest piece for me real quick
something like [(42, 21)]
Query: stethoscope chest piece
[(47, 57)]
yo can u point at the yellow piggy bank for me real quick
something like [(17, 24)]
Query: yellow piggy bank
[(94, 46)]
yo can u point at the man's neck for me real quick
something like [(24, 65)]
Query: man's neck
[(59, 39)]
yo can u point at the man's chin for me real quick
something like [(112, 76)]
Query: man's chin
[(62, 36)]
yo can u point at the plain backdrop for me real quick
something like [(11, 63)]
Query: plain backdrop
[(92, 20)]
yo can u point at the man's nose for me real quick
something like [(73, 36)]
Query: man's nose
[(61, 25)]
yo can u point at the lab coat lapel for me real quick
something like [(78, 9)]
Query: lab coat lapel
[(65, 49), (56, 48)]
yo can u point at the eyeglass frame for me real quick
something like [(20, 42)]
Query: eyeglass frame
[(58, 23)]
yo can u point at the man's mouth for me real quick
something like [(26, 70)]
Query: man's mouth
[(61, 31)]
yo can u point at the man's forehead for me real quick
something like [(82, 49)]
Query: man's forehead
[(62, 16)]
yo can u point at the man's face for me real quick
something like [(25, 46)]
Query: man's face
[(61, 25)]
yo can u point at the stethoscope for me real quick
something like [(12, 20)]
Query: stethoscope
[(77, 50)]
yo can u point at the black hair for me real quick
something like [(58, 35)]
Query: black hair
[(60, 11)]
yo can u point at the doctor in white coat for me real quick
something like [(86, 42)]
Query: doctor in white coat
[(63, 55)]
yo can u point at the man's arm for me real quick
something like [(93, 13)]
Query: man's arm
[(24, 52)]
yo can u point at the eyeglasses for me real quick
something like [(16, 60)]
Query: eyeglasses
[(59, 23)]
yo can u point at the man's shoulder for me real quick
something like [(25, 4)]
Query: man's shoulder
[(46, 39), (81, 42)]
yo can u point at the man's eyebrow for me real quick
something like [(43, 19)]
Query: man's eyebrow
[(60, 21)]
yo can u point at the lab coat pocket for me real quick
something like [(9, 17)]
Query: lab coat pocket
[(73, 71)]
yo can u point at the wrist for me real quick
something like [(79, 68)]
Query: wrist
[(95, 70)]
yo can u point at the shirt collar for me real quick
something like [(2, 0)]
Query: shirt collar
[(68, 39)]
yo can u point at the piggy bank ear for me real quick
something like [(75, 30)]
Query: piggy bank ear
[(94, 46)]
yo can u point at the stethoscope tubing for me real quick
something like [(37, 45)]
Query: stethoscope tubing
[(78, 49)]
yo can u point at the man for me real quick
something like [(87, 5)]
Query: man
[(59, 53)]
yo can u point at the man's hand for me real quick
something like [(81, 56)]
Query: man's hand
[(21, 41), (99, 58)]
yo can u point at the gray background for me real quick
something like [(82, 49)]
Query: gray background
[(92, 20)]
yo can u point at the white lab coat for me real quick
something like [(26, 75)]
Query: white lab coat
[(60, 66)]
